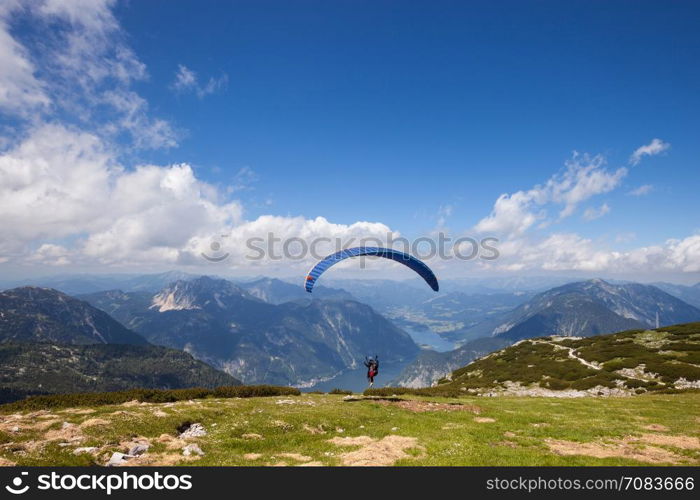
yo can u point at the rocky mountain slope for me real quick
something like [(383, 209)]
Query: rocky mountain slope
[(431, 366), (53, 343), (624, 363), (689, 294), (226, 326), (31, 314)]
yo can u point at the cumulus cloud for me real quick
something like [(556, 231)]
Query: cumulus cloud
[(290, 243), (584, 176), (571, 252), (60, 182), (66, 200), (655, 147), (186, 80)]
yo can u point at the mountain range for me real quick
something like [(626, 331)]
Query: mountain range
[(299, 342), (689, 294), (53, 343), (593, 307), (76, 284), (271, 331)]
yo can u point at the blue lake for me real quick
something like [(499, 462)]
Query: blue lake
[(430, 339)]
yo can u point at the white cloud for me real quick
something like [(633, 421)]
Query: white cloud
[(82, 66), (571, 252), (655, 147), (63, 191), (596, 213), (585, 176), (61, 183), (319, 235), (185, 78), (51, 255), (21, 93), (186, 81), (642, 190), (513, 214)]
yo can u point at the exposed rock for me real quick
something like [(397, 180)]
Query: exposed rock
[(192, 449), (193, 431), (138, 449), (118, 459)]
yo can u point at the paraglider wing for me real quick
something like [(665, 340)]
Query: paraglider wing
[(387, 253)]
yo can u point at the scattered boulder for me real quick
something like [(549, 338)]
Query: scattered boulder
[(118, 459), (251, 435), (192, 449), (193, 431), (138, 449)]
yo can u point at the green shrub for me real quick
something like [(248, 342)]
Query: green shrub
[(602, 378), (145, 396), (670, 372), (555, 384), (340, 391)]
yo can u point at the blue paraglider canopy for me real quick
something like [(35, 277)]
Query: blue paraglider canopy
[(407, 260)]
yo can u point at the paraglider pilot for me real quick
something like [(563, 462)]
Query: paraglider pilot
[(372, 365)]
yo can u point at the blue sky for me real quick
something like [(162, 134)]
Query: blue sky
[(414, 115), (418, 105)]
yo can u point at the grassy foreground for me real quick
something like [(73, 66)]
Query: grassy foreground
[(318, 429)]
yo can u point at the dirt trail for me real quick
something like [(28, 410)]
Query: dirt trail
[(376, 452), (645, 448), (571, 353)]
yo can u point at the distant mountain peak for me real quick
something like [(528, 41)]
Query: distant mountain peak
[(592, 307), (199, 293)]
